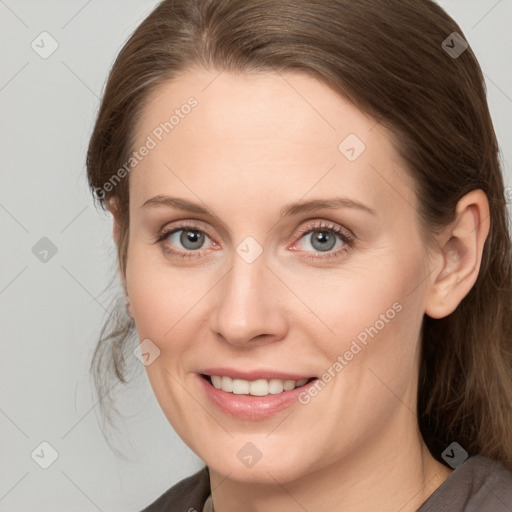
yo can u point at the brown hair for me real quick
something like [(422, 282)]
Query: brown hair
[(386, 56)]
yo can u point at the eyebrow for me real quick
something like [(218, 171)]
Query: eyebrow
[(287, 210)]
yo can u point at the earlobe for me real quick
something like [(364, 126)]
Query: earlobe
[(113, 206), (461, 250), (115, 230)]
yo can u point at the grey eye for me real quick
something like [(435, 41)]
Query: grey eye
[(322, 240), (189, 239)]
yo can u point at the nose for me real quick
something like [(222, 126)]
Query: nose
[(250, 307)]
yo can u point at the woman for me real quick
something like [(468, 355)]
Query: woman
[(312, 237)]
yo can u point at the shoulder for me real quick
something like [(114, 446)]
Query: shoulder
[(478, 484), (188, 495)]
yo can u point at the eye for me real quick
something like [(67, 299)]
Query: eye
[(186, 236), (323, 238), (190, 239)]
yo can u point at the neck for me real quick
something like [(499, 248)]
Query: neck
[(391, 471)]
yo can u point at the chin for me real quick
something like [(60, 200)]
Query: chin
[(259, 474), (261, 469)]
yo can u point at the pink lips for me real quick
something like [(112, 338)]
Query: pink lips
[(248, 406)]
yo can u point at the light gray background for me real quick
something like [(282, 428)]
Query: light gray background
[(51, 313)]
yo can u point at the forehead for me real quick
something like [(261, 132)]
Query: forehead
[(258, 106), (275, 135)]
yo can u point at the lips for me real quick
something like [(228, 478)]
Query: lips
[(252, 395)]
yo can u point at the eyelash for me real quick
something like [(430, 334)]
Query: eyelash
[(348, 240)]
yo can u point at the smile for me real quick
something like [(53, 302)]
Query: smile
[(253, 398), (260, 387)]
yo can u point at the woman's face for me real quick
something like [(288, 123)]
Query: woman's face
[(256, 283)]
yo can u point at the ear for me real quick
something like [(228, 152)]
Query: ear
[(459, 255), (113, 207)]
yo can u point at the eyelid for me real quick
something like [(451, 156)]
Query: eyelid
[(180, 225), (191, 224), (318, 225)]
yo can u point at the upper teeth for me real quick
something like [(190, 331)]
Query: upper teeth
[(261, 387)]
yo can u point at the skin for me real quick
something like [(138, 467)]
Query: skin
[(255, 143)]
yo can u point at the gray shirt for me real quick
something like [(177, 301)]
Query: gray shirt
[(478, 485)]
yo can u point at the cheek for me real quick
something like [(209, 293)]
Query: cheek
[(168, 304), (355, 302), (374, 317), (157, 292)]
